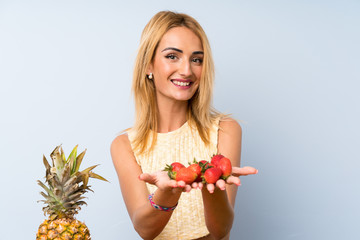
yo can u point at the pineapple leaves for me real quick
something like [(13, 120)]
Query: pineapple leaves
[(44, 195), (65, 174), (87, 170), (53, 217), (46, 189), (78, 161), (72, 159), (46, 163), (57, 161), (85, 174), (69, 183), (62, 154), (72, 154), (65, 184), (85, 179), (48, 168), (94, 175)]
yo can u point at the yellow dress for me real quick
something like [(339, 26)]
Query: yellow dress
[(181, 145)]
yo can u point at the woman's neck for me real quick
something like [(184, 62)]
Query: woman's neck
[(171, 115)]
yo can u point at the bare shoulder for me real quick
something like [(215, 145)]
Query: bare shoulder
[(230, 126), (121, 141), (124, 160), (120, 147), (229, 140)]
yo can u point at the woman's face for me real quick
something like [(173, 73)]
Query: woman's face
[(177, 65)]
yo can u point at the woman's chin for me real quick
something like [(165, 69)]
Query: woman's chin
[(183, 98)]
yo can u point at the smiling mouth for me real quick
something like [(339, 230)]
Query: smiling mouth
[(181, 83)]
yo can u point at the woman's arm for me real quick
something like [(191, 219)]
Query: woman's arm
[(147, 221), (219, 205)]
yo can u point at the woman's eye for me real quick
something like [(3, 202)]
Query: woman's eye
[(171, 56), (197, 60)]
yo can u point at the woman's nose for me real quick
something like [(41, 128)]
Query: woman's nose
[(185, 69)]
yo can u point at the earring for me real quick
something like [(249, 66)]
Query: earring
[(150, 76)]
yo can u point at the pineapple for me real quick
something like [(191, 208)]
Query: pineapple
[(63, 197)]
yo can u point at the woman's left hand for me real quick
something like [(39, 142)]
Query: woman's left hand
[(232, 179)]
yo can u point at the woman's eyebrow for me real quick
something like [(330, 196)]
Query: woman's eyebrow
[(180, 51), (172, 48)]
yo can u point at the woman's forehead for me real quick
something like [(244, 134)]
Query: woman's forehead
[(182, 38)]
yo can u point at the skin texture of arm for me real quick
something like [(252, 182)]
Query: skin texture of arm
[(147, 221), (219, 205)]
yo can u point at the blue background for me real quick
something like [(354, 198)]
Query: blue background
[(288, 70)]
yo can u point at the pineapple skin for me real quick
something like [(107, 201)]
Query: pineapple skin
[(63, 229)]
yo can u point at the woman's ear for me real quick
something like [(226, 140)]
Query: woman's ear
[(149, 73), (149, 69)]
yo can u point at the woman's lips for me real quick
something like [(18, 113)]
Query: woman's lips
[(184, 84)]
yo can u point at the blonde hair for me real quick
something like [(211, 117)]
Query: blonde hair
[(201, 114)]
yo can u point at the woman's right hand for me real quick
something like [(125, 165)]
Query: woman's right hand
[(163, 182)]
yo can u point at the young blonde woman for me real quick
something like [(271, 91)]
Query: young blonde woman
[(172, 86)]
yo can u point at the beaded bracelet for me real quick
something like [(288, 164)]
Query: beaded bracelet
[(166, 209)]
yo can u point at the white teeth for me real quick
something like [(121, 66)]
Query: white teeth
[(181, 83)]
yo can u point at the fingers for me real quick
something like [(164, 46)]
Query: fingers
[(197, 185), (221, 184), (233, 180), (236, 171), (187, 188), (161, 180), (210, 187), (173, 183), (149, 178), (180, 184)]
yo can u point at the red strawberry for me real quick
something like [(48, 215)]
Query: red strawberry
[(212, 174), (176, 166), (225, 166), (216, 158), (173, 169), (185, 174), (195, 167)]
